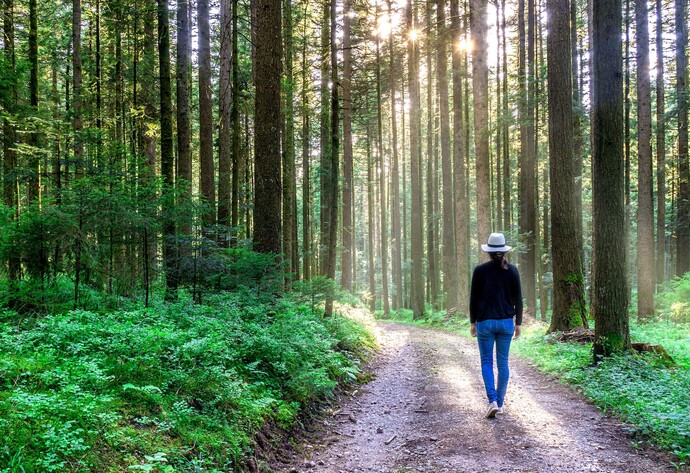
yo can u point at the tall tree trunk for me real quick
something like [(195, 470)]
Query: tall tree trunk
[(324, 135), (683, 218), (183, 89), (568, 280), (416, 227), (660, 151), (507, 168), (237, 175), (462, 210), (348, 179), (225, 117), (382, 185), (306, 166), (167, 157), (35, 181), (334, 177), (480, 93), (450, 282), (370, 219), (9, 96), (395, 185), (206, 166), (528, 183), (289, 204), (645, 198), (267, 162), (609, 276), (433, 273), (76, 88), (578, 131), (499, 127)]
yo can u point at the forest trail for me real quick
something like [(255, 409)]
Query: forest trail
[(423, 412)]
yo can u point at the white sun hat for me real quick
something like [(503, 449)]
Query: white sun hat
[(496, 244)]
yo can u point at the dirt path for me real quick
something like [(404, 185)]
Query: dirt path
[(424, 412)]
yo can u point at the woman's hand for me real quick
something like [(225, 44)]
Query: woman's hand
[(518, 332), (473, 330)]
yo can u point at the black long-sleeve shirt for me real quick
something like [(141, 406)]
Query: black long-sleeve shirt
[(496, 293)]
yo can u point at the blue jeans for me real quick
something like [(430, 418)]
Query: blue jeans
[(500, 332)]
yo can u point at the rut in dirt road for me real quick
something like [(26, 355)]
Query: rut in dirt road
[(424, 412)]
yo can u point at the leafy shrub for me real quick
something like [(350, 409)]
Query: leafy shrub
[(169, 388), (674, 304)]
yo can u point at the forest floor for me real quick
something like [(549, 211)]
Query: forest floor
[(424, 409)]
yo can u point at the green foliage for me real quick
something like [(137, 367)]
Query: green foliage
[(170, 388), (674, 305)]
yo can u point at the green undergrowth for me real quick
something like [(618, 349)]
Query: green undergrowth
[(652, 397), (178, 387)]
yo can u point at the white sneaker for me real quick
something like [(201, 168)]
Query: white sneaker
[(499, 411), (492, 410)]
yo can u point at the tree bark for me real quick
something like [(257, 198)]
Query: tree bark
[(683, 217), (167, 157), (334, 177), (237, 176), (267, 158), (207, 169), (306, 167), (480, 92), (183, 95), (462, 211), (433, 272), (450, 283), (569, 309), (609, 275), (645, 198), (396, 235), (382, 185), (660, 151), (225, 118), (416, 227), (76, 88), (324, 135), (348, 179), (289, 204), (35, 177)]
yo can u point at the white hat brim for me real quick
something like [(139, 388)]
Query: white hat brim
[(493, 249)]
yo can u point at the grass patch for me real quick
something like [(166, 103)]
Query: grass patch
[(178, 387)]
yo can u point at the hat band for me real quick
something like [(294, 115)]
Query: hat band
[(495, 246)]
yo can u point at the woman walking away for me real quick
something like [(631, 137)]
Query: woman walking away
[(495, 300)]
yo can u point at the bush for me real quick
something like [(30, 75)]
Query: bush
[(177, 386)]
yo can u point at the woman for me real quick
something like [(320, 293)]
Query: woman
[(495, 316)]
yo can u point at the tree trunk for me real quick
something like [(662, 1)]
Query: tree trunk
[(225, 118), (348, 179), (267, 162), (433, 274), (207, 170), (306, 167), (645, 198), (528, 183), (416, 226), (382, 185), (660, 152), (370, 219), (683, 218), (450, 283), (324, 135), (462, 211), (609, 276), (569, 309), (76, 88), (184, 124), (167, 157), (34, 181), (507, 168), (237, 176), (289, 143), (395, 185), (334, 178), (480, 92)]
